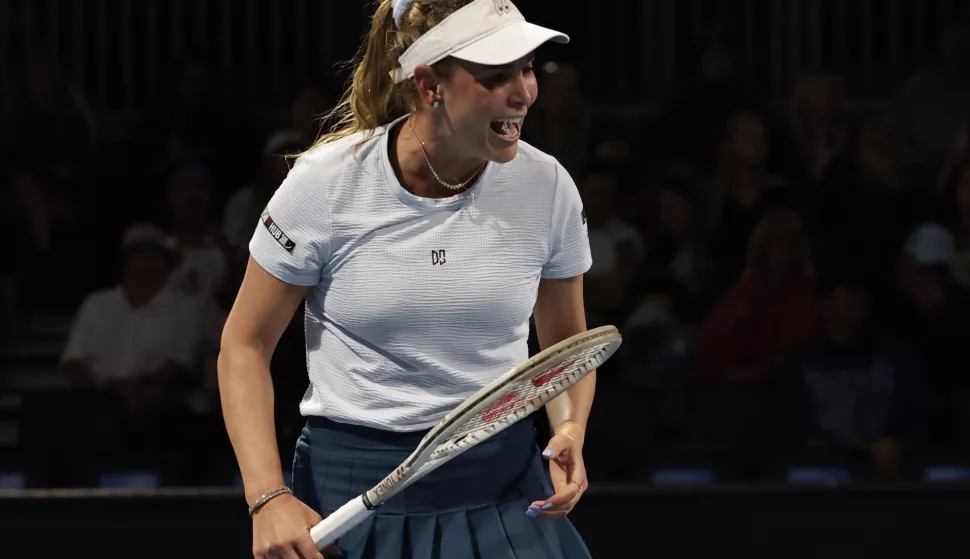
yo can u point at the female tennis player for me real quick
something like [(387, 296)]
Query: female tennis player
[(423, 235)]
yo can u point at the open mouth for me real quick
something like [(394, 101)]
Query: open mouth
[(507, 129)]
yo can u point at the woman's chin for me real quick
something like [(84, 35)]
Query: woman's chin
[(506, 155), (502, 151)]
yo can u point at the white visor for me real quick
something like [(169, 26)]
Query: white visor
[(489, 32)]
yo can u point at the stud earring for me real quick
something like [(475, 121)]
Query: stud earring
[(436, 104)]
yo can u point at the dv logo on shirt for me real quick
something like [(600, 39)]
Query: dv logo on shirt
[(437, 257)]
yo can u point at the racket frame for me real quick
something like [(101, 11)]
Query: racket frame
[(405, 474)]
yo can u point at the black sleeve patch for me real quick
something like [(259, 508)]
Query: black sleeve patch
[(276, 232)]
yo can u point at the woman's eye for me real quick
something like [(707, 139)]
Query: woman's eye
[(494, 80)]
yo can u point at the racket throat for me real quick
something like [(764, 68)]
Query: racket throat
[(367, 502)]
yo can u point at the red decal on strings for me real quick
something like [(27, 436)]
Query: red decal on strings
[(500, 407), (551, 374)]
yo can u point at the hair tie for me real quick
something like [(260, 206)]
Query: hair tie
[(401, 7)]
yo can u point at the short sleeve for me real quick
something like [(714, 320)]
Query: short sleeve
[(569, 253), (292, 238)]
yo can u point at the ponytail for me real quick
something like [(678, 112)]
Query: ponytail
[(373, 99)]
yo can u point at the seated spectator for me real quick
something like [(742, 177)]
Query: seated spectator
[(655, 362), (242, 212), (956, 216), (191, 122), (937, 318), (616, 245), (140, 337), (932, 111), (739, 194), (678, 248), (49, 148), (689, 126), (768, 312), (199, 244), (853, 390), (196, 124), (814, 133), (863, 215)]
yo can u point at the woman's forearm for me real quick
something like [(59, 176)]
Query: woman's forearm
[(573, 406), (559, 314), (246, 392)]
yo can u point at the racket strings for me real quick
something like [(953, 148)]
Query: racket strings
[(527, 395)]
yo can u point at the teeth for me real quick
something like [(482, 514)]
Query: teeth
[(511, 120)]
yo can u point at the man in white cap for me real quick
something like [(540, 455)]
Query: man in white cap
[(423, 235), (140, 335), (938, 322)]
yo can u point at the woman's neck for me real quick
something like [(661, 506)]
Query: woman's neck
[(418, 166)]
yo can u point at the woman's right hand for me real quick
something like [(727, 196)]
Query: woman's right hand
[(281, 530)]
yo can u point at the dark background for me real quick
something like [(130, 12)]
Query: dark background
[(779, 208)]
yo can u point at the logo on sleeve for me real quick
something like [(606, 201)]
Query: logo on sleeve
[(582, 214), (438, 258), (276, 232)]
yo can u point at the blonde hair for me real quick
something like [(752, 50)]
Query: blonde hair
[(373, 99)]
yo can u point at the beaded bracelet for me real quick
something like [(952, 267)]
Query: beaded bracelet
[(269, 495)]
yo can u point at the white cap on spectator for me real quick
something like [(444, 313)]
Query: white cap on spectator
[(931, 244), (489, 32)]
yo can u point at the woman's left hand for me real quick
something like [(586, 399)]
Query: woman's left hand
[(568, 473)]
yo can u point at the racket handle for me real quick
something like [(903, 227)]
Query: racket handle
[(340, 522)]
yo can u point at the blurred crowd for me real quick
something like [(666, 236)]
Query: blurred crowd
[(791, 276)]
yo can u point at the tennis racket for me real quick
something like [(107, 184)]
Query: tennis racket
[(503, 402)]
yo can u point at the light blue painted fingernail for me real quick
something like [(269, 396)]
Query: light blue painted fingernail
[(547, 506), (531, 513), (547, 453)]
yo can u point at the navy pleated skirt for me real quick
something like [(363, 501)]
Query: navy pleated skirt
[(472, 507)]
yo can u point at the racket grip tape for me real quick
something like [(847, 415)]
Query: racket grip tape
[(340, 522)]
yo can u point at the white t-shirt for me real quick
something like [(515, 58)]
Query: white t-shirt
[(416, 302), (119, 342)]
